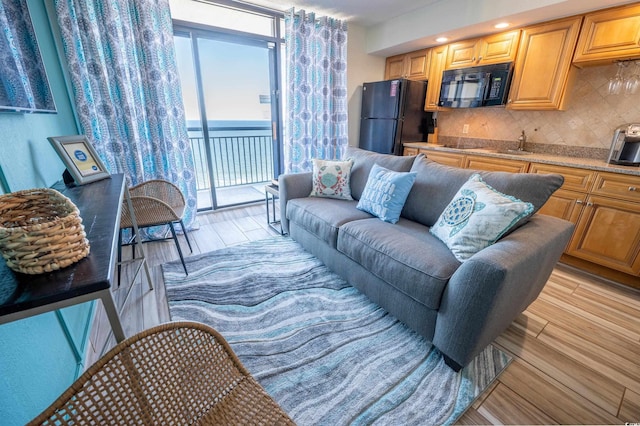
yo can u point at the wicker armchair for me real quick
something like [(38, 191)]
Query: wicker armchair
[(173, 374), (155, 202)]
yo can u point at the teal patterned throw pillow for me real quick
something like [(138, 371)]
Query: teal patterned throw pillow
[(331, 179), (477, 217), (385, 193)]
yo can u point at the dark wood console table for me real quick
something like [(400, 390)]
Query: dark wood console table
[(23, 295)]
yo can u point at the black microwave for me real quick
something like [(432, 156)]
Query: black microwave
[(473, 87)]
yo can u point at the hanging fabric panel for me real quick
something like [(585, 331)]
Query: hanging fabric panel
[(122, 66), (316, 64)]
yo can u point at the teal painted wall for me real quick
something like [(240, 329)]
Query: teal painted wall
[(27, 160), (36, 362)]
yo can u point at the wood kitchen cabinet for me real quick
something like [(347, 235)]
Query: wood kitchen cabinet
[(412, 65), (492, 164), (608, 35), (606, 210), (567, 202), (543, 65), (575, 179), (394, 67), (438, 60), (446, 158), (608, 234), (492, 49), (626, 187), (604, 206), (409, 151)]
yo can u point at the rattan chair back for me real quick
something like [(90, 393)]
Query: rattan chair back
[(162, 190), (155, 203), (174, 374)]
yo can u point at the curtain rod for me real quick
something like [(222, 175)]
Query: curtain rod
[(312, 15)]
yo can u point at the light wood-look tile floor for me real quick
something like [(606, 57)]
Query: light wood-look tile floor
[(576, 348)]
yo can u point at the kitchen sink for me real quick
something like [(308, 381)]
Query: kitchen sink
[(514, 152), (461, 147), (473, 148)]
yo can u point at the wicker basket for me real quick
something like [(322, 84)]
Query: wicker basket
[(40, 231)]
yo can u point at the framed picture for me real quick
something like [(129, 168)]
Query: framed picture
[(80, 157)]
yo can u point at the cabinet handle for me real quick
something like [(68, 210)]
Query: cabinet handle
[(479, 58), (473, 59), (589, 204), (632, 188), (579, 202)]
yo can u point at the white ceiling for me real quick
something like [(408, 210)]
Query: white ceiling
[(397, 26)]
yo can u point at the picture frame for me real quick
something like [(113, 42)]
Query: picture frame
[(81, 159)]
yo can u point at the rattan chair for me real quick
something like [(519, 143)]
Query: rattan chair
[(174, 374), (155, 202)]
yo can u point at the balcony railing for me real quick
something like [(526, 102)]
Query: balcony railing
[(240, 156)]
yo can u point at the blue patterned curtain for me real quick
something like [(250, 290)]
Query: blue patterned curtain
[(127, 91), (316, 124)]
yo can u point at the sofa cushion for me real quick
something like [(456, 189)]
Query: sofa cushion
[(323, 216), (364, 160), (385, 193), (436, 184), (405, 255), (331, 179), (476, 217)]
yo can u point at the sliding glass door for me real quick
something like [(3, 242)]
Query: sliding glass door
[(231, 97)]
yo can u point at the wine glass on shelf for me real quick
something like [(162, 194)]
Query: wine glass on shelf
[(632, 84), (616, 82)]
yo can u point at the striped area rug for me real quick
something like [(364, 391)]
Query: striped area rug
[(326, 354)]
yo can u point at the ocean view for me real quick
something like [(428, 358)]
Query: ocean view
[(241, 152)]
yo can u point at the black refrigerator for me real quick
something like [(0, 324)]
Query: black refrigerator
[(392, 113)]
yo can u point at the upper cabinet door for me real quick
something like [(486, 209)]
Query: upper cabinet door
[(438, 59), (499, 48), (493, 49), (412, 65), (542, 68), (395, 67), (462, 54), (418, 64), (608, 35)]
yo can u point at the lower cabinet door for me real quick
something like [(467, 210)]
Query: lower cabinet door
[(449, 159), (564, 204), (495, 164), (608, 233)]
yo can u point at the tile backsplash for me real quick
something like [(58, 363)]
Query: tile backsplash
[(589, 120)]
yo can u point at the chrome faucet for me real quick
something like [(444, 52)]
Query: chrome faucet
[(521, 141)]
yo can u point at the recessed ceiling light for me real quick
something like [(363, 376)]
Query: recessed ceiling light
[(441, 39), (501, 25)]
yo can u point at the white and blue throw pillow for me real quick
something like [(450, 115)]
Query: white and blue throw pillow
[(477, 217), (385, 193), (332, 179)]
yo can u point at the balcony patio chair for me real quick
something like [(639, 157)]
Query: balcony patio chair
[(155, 203), (173, 374)]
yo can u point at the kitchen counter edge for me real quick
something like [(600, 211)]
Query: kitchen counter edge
[(534, 157)]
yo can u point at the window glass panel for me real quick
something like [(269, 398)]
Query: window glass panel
[(281, 21), (184, 58), (222, 17)]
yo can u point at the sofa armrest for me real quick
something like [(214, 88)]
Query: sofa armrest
[(290, 186), (495, 285)]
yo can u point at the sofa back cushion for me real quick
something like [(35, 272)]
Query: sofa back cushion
[(436, 184), (364, 160)]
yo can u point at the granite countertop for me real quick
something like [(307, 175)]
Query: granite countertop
[(560, 160)]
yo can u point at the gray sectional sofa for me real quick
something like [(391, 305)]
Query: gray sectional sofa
[(459, 306)]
